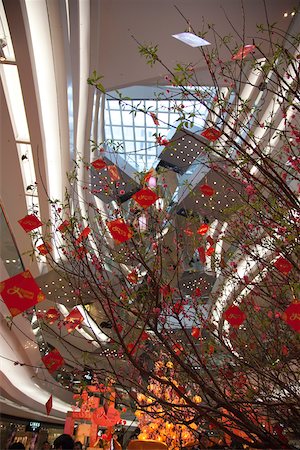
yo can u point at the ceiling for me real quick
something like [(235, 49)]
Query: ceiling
[(57, 44)]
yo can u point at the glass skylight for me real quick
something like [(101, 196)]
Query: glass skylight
[(127, 123)]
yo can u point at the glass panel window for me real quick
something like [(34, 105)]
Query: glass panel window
[(128, 133), (117, 133)]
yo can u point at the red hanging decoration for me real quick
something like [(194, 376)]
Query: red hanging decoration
[(20, 292), (119, 230), (49, 405), (292, 316), (243, 52), (211, 134), (44, 248), (83, 235), (99, 164), (203, 229), (201, 252), (210, 251), (283, 265), (64, 226), (51, 316), (207, 190), (145, 197), (30, 222), (235, 316), (73, 320), (53, 360)]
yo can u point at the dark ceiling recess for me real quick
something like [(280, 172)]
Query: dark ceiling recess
[(103, 186), (182, 152)]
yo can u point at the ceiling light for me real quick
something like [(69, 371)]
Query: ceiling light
[(191, 39)]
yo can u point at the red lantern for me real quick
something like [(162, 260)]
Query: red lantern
[(207, 190), (235, 316), (292, 316)]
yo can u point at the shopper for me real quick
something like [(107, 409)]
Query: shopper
[(64, 442), (78, 445)]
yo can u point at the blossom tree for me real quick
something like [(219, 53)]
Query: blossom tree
[(201, 273)]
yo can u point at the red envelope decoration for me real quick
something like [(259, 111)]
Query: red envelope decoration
[(207, 190), (30, 222), (73, 320), (283, 265), (49, 405), (84, 234), (145, 197), (80, 253), (99, 164), (201, 251), (20, 292), (154, 118), (51, 316), (64, 226), (211, 134), (234, 315), (210, 251), (53, 360), (292, 316), (119, 230), (243, 52), (203, 229), (45, 248), (113, 173)]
